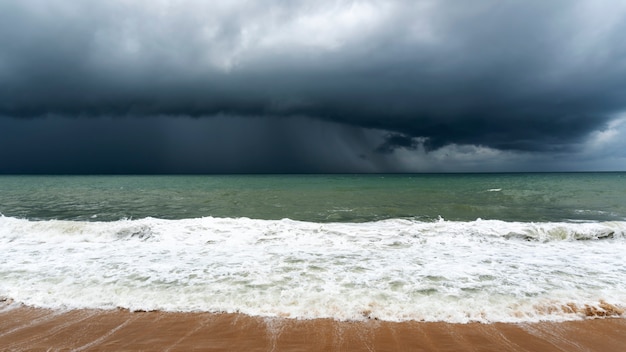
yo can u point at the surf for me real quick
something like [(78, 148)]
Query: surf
[(394, 270)]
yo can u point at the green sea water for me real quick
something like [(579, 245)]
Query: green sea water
[(366, 243), (529, 197)]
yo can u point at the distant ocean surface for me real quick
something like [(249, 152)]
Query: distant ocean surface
[(431, 247)]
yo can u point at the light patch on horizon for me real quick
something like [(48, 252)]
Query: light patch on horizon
[(455, 157), (610, 138)]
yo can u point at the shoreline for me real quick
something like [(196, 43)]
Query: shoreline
[(26, 328)]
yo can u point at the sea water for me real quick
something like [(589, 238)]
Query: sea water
[(449, 247)]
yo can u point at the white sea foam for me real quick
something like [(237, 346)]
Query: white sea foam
[(483, 270)]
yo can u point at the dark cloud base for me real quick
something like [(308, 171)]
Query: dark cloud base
[(183, 145), (226, 144)]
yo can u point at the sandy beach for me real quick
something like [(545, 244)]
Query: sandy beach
[(30, 329)]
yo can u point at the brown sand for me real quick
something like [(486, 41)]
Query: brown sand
[(30, 329)]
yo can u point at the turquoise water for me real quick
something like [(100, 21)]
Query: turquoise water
[(319, 198)]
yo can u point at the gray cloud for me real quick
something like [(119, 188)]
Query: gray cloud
[(394, 141), (530, 76)]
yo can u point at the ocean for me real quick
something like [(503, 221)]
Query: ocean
[(428, 247)]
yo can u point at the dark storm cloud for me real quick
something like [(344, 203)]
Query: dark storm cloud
[(222, 144), (510, 75)]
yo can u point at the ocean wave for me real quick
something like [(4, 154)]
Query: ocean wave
[(398, 269), (154, 229)]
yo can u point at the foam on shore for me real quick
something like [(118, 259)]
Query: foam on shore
[(392, 270)]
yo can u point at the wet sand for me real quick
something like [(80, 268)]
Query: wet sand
[(30, 329)]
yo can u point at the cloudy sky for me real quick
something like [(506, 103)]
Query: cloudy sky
[(158, 86)]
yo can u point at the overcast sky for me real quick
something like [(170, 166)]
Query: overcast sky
[(187, 86)]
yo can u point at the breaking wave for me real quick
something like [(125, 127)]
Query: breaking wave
[(398, 269)]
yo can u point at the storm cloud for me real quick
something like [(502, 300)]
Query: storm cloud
[(522, 77)]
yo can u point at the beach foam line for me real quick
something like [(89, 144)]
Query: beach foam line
[(26, 328), (395, 270)]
